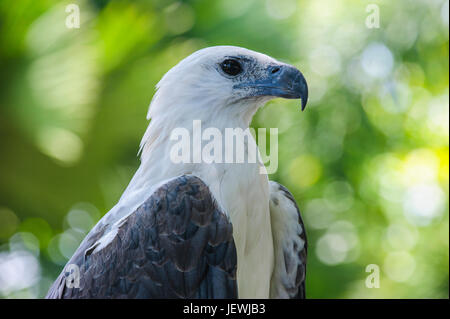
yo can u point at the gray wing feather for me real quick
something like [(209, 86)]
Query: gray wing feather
[(177, 244), (302, 253), (288, 280)]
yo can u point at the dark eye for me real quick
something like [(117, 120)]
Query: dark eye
[(231, 67)]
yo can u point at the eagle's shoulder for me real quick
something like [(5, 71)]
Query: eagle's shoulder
[(288, 280), (177, 244)]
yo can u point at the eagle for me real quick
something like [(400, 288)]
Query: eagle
[(196, 229)]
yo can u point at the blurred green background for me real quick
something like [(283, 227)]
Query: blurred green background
[(368, 161)]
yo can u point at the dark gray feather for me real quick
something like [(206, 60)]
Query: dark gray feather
[(177, 244)]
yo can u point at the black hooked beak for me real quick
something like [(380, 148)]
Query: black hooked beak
[(281, 81)]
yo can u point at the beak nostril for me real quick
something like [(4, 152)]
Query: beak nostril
[(275, 70)]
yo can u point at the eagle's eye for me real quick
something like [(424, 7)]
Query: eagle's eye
[(231, 67)]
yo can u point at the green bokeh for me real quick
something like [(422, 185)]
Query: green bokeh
[(368, 160)]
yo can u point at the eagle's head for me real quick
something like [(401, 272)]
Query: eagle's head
[(225, 81)]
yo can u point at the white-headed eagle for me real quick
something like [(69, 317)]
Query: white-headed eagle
[(200, 230)]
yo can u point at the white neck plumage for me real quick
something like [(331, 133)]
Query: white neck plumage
[(240, 189)]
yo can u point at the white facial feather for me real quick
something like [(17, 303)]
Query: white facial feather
[(195, 89)]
